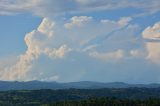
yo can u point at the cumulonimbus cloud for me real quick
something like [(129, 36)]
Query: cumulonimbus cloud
[(99, 40), (55, 40), (36, 45)]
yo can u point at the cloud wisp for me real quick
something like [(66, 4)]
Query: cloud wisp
[(50, 8)]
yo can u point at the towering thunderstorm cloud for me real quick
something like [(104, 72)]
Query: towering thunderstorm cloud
[(36, 45), (77, 39)]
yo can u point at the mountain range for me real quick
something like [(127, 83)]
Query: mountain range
[(34, 85)]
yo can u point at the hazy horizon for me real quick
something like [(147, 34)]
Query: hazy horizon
[(147, 83), (80, 40)]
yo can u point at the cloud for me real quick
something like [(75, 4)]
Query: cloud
[(121, 22), (77, 47), (108, 56), (46, 27), (137, 53), (85, 31), (60, 52), (10, 7), (77, 21), (84, 2), (50, 8), (153, 52), (52, 78), (152, 34), (97, 40), (36, 45), (124, 21)]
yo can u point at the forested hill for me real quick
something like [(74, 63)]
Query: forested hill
[(42, 97), (34, 85)]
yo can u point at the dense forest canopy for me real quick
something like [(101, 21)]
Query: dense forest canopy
[(82, 97)]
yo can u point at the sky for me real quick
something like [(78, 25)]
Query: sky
[(80, 40)]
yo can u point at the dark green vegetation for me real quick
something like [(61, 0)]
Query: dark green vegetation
[(108, 102), (81, 97)]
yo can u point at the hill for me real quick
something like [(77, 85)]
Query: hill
[(42, 97), (33, 85)]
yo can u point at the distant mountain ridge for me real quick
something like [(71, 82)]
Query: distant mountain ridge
[(34, 85)]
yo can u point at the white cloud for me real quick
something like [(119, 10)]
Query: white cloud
[(60, 52), (121, 22), (106, 40), (152, 34), (153, 52), (108, 56), (137, 53), (46, 27), (52, 78), (77, 21), (105, 21), (52, 39), (36, 45), (9, 7), (124, 21), (89, 48)]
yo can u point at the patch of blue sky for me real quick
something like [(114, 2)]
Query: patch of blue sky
[(13, 29), (110, 14), (147, 20)]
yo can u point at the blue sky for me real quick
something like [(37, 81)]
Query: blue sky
[(13, 29), (80, 40)]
